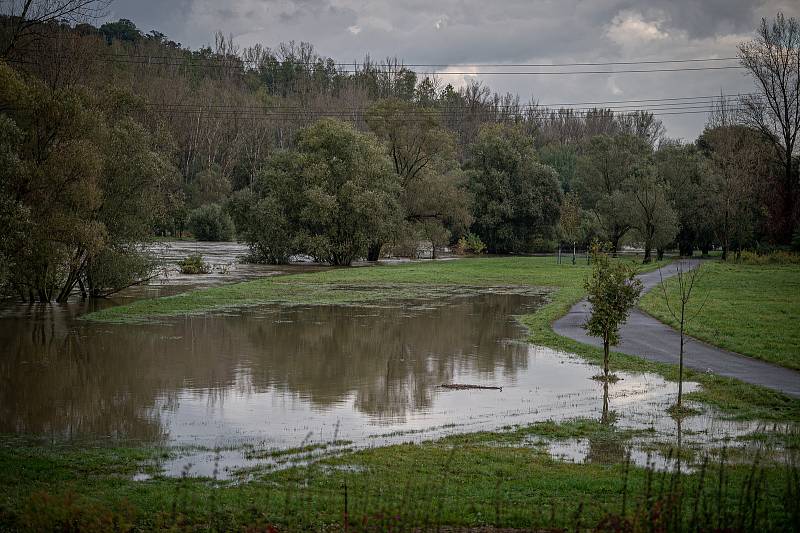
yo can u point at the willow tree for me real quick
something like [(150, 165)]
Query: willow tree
[(82, 189), (422, 153)]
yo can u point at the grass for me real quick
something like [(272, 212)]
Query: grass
[(751, 310), (501, 478), (564, 284), (358, 285), (495, 479)]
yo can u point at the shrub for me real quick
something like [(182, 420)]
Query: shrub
[(772, 258), (470, 244), (194, 264), (538, 245), (210, 223)]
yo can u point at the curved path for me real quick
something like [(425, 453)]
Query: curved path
[(646, 337)]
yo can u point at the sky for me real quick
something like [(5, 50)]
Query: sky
[(498, 32)]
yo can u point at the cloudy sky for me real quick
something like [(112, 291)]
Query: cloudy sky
[(497, 31)]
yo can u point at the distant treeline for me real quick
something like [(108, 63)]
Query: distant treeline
[(110, 136)]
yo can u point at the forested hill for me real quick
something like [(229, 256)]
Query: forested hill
[(226, 107), (110, 135)]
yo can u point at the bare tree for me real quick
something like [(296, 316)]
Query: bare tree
[(773, 59), (687, 283), (24, 18)]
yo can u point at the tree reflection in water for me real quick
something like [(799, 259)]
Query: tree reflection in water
[(65, 378)]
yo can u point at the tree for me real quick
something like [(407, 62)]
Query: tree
[(687, 281), (209, 186), (351, 193), (268, 216), (423, 157), (736, 163), (604, 172), (327, 199), (211, 223), (570, 221), (652, 215), (564, 159), (681, 168), (773, 59), (414, 137), (438, 206), (613, 289), (516, 199), (22, 19), (83, 190)]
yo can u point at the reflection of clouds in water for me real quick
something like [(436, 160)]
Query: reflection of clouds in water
[(269, 376), (129, 381)]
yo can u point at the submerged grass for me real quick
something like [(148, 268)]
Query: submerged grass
[(500, 479), (460, 481), (366, 285), (748, 309)]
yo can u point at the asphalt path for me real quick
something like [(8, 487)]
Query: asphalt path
[(646, 337)]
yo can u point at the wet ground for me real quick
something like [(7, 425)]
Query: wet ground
[(228, 390)]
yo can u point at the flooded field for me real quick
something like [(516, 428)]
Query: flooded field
[(229, 389)]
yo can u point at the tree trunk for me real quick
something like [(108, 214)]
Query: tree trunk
[(374, 251), (680, 366), (660, 254), (605, 356), (614, 245), (788, 200)]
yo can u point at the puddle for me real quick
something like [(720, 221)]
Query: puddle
[(273, 377)]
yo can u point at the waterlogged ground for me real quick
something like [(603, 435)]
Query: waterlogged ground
[(275, 385)]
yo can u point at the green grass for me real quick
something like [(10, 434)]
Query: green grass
[(738, 399), (360, 285), (465, 480), (431, 279), (751, 310)]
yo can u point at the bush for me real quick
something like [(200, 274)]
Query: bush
[(470, 244), (538, 245), (194, 264), (772, 258), (210, 223)]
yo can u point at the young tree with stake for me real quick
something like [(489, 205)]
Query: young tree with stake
[(613, 289), (687, 280)]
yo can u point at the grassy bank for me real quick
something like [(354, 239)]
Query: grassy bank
[(359, 285), (752, 310), (502, 479)]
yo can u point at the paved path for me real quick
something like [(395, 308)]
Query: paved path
[(646, 337)]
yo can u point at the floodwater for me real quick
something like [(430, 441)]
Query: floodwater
[(224, 390)]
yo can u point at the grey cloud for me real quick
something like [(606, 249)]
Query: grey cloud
[(490, 32)]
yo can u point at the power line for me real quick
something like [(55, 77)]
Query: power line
[(654, 104), (356, 64), (240, 66), (287, 115)]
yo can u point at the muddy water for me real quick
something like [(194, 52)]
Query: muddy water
[(273, 377)]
